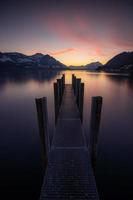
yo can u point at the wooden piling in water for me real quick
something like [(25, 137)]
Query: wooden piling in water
[(59, 85), (63, 79), (62, 86), (96, 108), (81, 100), (42, 114), (78, 82), (73, 81), (56, 101), (78, 88)]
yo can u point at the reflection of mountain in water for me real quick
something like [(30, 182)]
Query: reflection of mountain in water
[(120, 79), (24, 76)]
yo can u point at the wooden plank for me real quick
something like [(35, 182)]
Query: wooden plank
[(68, 133), (69, 176), (68, 107)]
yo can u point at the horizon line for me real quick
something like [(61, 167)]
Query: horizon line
[(70, 65)]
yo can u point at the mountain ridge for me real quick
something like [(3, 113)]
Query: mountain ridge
[(90, 66), (8, 60), (38, 60), (122, 61)]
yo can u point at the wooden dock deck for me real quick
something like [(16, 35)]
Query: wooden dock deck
[(69, 173)]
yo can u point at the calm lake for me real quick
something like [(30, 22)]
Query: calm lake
[(21, 173)]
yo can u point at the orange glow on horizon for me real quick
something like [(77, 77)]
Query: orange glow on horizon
[(73, 58), (75, 32), (77, 57)]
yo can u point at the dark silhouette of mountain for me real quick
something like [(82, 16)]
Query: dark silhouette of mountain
[(38, 60), (91, 66), (15, 60), (122, 61)]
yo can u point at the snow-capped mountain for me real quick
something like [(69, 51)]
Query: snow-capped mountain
[(37, 60)]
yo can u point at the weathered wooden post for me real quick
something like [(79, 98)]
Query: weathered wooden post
[(96, 108), (56, 101), (78, 82), (42, 114), (73, 81), (62, 84), (59, 85), (61, 80), (63, 77), (81, 100), (75, 85)]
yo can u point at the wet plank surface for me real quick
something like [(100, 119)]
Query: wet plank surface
[(69, 176)]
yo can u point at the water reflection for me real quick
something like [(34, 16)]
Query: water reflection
[(19, 77), (128, 80), (20, 143)]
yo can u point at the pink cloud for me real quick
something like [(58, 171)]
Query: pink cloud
[(100, 41), (77, 29), (99, 52), (63, 51), (81, 22), (121, 42), (120, 33)]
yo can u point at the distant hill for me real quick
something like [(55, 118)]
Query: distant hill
[(91, 66), (14, 60), (122, 61), (38, 60)]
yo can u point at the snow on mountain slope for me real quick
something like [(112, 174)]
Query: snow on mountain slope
[(36, 60)]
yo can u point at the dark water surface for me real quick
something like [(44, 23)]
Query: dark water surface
[(20, 157)]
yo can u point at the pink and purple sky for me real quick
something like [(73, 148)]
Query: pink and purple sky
[(75, 32)]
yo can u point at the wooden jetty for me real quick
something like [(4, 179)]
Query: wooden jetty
[(68, 161)]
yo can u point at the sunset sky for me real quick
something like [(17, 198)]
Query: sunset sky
[(73, 31)]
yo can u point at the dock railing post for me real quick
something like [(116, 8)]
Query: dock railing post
[(42, 115), (56, 101), (81, 100), (63, 83), (76, 87), (63, 79), (78, 82), (96, 108), (74, 84), (73, 81), (59, 85)]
